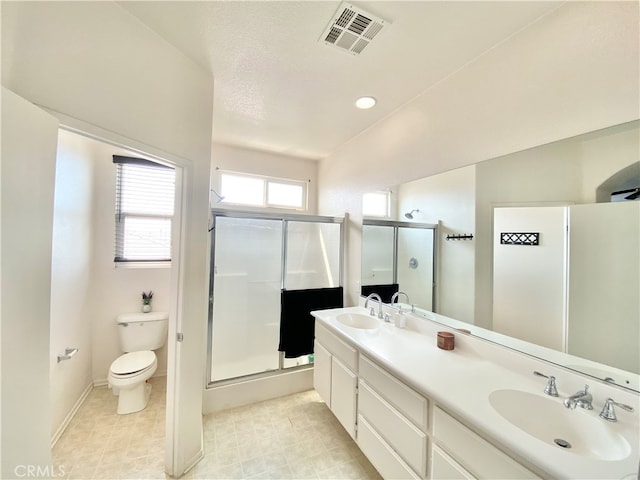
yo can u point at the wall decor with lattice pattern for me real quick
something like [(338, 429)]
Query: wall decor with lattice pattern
[(520, 238)]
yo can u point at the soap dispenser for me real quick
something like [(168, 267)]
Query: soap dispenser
[(399, 318)]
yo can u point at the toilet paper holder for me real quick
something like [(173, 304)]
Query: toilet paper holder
[(68, 353)]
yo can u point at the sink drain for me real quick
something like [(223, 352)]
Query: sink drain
[(561, 443)]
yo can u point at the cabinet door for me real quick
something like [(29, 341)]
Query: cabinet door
[(322, 373), (343, 395)]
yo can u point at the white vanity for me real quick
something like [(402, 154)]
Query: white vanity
[(478, 411)]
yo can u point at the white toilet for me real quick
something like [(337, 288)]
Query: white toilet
[(140, 334)]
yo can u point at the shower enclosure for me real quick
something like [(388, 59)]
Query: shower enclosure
[(254, 259), (399, 256)]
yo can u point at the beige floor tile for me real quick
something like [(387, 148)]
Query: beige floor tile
[(294, 437)]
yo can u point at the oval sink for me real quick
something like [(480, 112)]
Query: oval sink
[(548, 420), (357, 320)]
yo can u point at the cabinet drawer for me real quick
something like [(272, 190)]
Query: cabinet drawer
[(408, 442), (444, 467), (381, 456), (407, 401), (472, 452), (347, 354)]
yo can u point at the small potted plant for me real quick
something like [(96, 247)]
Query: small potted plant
[(146, 301)]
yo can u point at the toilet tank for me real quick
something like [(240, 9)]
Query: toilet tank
[(142, 331)]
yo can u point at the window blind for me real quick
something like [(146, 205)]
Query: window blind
[(145, 193)]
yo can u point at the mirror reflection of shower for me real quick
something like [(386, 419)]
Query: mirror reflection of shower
[(409, 215)]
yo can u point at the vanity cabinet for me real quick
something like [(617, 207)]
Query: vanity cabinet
[(334, 378), (404, 434), (467, 454)]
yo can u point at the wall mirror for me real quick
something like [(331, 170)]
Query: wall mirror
[(399, 257), (579, 171)]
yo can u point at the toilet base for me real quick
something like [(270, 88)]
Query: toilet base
[(131, 400)]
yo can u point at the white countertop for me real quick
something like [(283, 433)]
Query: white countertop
[(461, 380)]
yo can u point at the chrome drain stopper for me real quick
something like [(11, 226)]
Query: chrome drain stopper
[(562, 443)]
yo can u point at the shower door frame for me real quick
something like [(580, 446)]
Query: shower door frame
[(396, 225), (284, 219)]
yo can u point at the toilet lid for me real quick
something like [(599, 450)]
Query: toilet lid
[(133, 362)]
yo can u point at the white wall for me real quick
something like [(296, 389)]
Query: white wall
[(71, 301), (561, 76), (29, 138), (245, 160), (100, 69), (529, 282), (604, 284)]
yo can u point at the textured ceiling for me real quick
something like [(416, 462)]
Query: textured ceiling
[(277, 88)]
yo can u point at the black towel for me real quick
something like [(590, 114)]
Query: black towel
[(297, 325), (385, 291)]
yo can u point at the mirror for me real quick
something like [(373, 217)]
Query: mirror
[(579, 171), (399, 257)]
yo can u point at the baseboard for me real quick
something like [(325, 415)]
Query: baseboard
[(63, 426), (193, 461), (245, 392), (101, 382)]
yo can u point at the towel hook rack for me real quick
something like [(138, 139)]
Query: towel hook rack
[(459, 236)]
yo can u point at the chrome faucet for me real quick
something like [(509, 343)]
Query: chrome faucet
[(372, 312), (608, 412), (395, 296), (550, 388), (581, 398)]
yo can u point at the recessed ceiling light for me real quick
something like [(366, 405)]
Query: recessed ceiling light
[(365, 102)]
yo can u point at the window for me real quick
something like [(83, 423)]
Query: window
[(375, 204), (258, 191), (145, 193)]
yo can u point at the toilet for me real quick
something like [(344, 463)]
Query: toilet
[(140, 334)]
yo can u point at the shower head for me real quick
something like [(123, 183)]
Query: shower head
[(409, 215)]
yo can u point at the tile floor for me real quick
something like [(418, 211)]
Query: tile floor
[(293, 437)]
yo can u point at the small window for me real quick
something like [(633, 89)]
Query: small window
[(145, 193), (265, 192), (242, 190), (375, 204), (285, 195)]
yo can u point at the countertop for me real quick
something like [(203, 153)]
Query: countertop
[(461, 380)]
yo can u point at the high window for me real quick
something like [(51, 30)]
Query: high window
[(376, 204), (145, 193), (259, 191)]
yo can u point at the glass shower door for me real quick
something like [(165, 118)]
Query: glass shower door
[(312, 255), (415, 265), (377, 254), (246, 291)]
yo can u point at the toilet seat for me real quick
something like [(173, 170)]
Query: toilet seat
[(132, 364)]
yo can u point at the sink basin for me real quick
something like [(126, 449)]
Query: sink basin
[(577, 431), (358, 320)]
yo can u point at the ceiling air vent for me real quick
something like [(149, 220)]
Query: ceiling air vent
[(351, 29)]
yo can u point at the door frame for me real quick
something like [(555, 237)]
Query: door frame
[(175, 463)]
